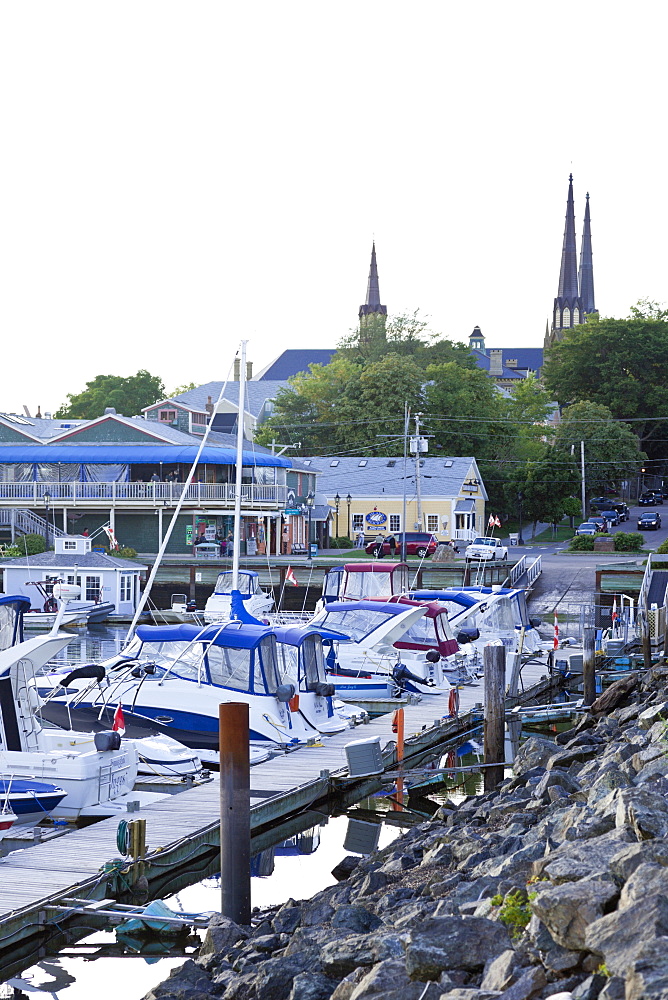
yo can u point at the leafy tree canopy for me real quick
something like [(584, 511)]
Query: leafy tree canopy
[(619, 364), (610, 446), (406, 334), (127, 395)]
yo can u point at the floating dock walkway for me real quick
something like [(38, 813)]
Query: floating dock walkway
[(182, 830)]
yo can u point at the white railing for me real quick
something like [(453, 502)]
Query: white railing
[(517, 570), (465, 534), (644, 586), (534, 570), (26, 522), (73, 492)]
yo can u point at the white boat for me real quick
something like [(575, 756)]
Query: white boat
[(256, 602), (493, 612), (365, 580), (78, 612)]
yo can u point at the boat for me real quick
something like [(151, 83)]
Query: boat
[(494, 612), (256, 601), (181, 609), (30, 801), (78, 612), (363, 580), (171, 679)]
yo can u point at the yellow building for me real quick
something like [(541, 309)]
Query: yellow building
[(445, 496)]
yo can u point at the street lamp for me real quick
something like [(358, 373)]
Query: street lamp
[(349, 500), (309, 503), (337, 501), (47, 500), (520, 500)]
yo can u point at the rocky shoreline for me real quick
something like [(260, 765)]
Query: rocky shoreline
[(554, 886)]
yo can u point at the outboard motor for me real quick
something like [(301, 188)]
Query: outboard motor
[(401, 674), (107, 740), (467, 635)]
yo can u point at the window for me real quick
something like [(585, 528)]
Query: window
[(198, 418), (70, 545), (306, 461), (395, 522), (448, 464), (167, 416), (363, 462), (432, 522), (93, 588), (391, 464), (334, 463), (358, 522), (125, 588)]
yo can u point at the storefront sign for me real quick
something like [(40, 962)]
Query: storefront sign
[(376, 518)]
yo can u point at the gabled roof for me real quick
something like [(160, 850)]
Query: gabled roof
[(439, 476), (60, 560), (295, 362), (528, 359), (256, 395), (150, 428)]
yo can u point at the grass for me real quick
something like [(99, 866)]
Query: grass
[(563, 533)]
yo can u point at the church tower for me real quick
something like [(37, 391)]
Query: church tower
[(372, 315), (575, 295), (586, 275)]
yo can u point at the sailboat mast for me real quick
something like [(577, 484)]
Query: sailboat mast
[(240, 445)]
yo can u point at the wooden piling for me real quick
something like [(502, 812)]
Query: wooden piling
[(234, 811), (399, 722), (589, 665), (494, 657), (646, 642)]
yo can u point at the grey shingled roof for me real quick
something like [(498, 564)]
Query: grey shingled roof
[(378, 477), (256, 395), (59, 560)]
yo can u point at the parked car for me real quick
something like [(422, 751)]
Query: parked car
[(600, 522), (621, 508), (597, 503), (650, 499), (486, 549), (611, 516), (586, 528), (418, 543), (649, 521)]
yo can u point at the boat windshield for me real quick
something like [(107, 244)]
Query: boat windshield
[(313, 661), (356, 624), (180, 658), (499, 617), (247, 584), (359, 586), (9, 622), (484, 541), (332, 583), (265, 673), (421, 633)]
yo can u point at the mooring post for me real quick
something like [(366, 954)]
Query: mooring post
[(589, 665), (234, 751), (494, 657), (646, 642), (399, 722), (192, 594)]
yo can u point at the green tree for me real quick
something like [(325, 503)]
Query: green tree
[(546, 487), (406, 334), (610, 446), (620, 364), (463, 410), (186, 387), (127, 395)]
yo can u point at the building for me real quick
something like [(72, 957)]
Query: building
[(506, 365), (445, 496), (101, 577), (575, 293), (128, 473)]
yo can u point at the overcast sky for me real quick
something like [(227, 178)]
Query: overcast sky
[(176, 176)]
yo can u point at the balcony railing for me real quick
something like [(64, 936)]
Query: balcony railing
[(72, 493)]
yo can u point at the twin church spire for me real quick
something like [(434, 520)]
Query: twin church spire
[(575, 296)]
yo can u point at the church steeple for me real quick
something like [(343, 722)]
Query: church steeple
[(568, 310), (587, 265), (372, 314)]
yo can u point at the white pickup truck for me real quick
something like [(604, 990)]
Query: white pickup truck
[(486, 549)]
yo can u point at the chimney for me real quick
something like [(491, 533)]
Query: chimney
[(209, 406), (38, 415), (249, 370), (237, 369), (496, 361)]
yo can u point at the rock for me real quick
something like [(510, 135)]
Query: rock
[(345, 868), (499, 971), (645, 812), (311, 986), (287, 919), (647, 979), (535, 752), (355, 918), (397, 865), (439, 854), (529, 983), (590, 988), (446, 943), (620, 937), (372, 883), (187, 982), (558, 959), (222, 934), (316, 912), (653, 714), (589, 858), (388, 980), (338, 958), (647, 880), (567, 910), (623, 864), (345, 988), (614, 695), (614, 989), (465, 994)]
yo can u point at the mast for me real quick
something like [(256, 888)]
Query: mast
[(237, 492)]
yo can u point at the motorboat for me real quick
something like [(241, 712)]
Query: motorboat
[(494, 612), (301, 660), (365, 663), (78, 612), (171, 679), (256, 601), (181, 609), (30, 801), (363, 580)]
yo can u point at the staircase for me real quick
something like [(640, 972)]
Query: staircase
[(27, 523)]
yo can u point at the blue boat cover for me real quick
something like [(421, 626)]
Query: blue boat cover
[(386, 609), (15, 599), (229, 634), (294, 635), (138, 454)]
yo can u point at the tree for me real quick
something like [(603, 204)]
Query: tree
[(619, 364), (406, 334), (547, 487), (127, 395), (461, 407), (610, 446), (186, 387)]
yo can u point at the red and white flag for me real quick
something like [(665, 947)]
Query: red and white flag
[(497, 521), (290, 577), (119, 720), (109, 532), (614, 609), (556, 631), (492, 521)]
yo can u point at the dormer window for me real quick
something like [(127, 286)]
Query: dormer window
[(69, 545), (167, 416), (198, 418)]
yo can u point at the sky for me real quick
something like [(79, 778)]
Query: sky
[(176, 177)]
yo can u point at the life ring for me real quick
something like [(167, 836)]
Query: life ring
[(50, 605), (453, 703)]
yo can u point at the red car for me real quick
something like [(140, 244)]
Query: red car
[(418, 543)]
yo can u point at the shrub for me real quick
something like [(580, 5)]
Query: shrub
[(663, 548), (582, 543), (126, 552), (629, 541), (514, 909), (31, 545), (341, 542)]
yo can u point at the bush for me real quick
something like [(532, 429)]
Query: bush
[(629, 541), (663, 548), (126, 552), (30, 545), (341, 542), (582, 543)]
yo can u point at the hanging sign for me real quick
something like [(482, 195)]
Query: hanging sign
[(376, 518)]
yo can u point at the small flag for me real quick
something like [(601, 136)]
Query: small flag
[(556, 631), (290, 577), (109, 532), (119, 720), (497, 521), (614, 609), (491, 522)]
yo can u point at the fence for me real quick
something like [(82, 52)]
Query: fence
[(74, 492)]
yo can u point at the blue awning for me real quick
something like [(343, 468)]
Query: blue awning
[(134, 454)]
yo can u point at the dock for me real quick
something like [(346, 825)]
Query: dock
[(182, 830)]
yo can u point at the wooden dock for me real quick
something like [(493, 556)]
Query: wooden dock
[(182, 830)]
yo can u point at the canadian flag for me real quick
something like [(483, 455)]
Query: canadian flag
[(614, 609), (119, 720), (492, 521), (497, 521), (556, 631), (290, 577)]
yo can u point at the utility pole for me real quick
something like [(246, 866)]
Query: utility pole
[(418, 451), (407, 415), (582, 473)]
